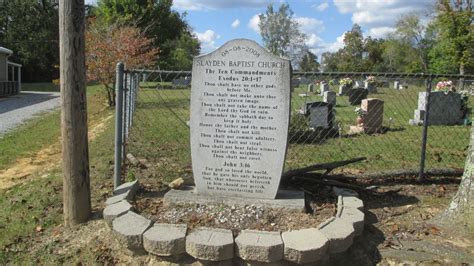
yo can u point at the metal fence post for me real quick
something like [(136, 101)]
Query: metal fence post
[(424, 137), (118, 124)]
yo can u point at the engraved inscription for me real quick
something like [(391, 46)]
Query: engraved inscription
[(239, 120)]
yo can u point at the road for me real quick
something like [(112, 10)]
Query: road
[(15, 110)]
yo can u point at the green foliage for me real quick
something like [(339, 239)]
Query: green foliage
[(309, 62), (358, 54), (280, 33), (351, 54), (30, 29), (167, 29), (412, 32), (453, 51)]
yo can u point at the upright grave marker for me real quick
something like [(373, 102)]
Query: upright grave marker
[(240, 105)]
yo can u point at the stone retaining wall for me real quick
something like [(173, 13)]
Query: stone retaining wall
[(312, 245)]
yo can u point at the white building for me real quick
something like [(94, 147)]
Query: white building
[(10, 74)]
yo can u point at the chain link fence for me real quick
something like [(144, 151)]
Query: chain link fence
[(388, 118)]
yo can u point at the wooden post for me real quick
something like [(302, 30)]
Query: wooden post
[(75, 152)]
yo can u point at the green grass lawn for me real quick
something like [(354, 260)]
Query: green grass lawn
[(39, 86), (160, 134), (33, 209)]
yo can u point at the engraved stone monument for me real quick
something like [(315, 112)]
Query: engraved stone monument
[(330, 97), (321, 115), (444, 108), (240, 105), (373, 119)]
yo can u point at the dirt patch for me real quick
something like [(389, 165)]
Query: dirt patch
[(43, 161), (234, 217), (398, 227)]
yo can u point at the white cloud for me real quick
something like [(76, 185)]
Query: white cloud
[(218, 4), (235, 24), (208, 40), (321, 7), (380, 32), (378, 17), (309, 25), (313, 40), (321, 46), (253, 23)]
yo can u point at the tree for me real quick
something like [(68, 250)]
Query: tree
[(462, 204), (168, 30), (399, 56), (453, 28), (181, 56), (309, 62), (373, 59), (107, 45), (330, 61), (30, 29), (281, 35), (351, 54), (412, 32)]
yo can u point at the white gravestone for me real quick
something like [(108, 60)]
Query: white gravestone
[(240, 106)]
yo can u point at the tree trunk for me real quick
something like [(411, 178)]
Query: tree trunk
[(462, 204), (75, 152), (461, 80)]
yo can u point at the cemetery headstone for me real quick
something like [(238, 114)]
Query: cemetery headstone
[(444, 109), (181, 82), (396, 84), (373, 119), (370, 86), (358, 84), (321, 115), (240, 105), (343, 89), (306, 107), (304, 81), (311, 87), (356, 95), (324, 86), (330, 97)]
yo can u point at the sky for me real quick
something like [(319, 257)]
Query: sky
[(324, 22)]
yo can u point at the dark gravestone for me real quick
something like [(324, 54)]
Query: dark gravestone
[(356, 95), (444, 109), (321, 115)]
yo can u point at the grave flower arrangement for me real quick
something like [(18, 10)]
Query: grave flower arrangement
[(446, 86), (346, 82), (361, 113), (371, 80)]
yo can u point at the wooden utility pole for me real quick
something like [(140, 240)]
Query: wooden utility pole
[(75, 151)]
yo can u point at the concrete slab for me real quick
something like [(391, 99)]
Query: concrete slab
[(291, 200), (132, 186), (353, 202), (340, 234), (305, 245), (259, 246), (354, 217), (115, 210), (210, 244), (117, 198), (129, 229), (165, 239)]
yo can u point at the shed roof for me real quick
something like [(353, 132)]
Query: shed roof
[(4, 50)]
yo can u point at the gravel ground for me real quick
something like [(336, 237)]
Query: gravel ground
[(15, 110)]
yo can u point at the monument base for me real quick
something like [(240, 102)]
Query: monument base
[(285, 199)]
